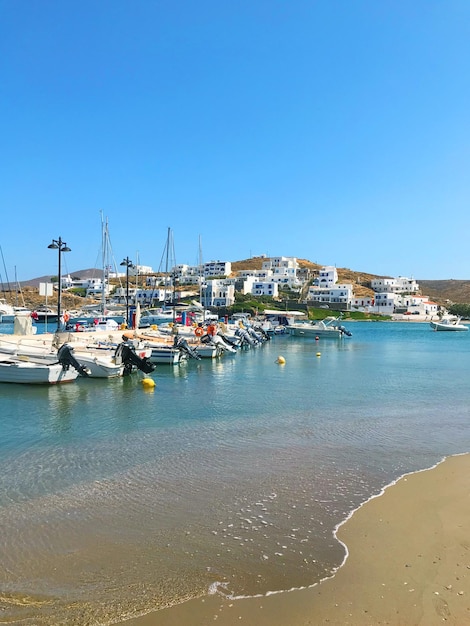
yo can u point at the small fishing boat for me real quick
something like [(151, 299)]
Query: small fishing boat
[(329, 327), (449, 324), (18, 370), (39, 370), (100, 365)]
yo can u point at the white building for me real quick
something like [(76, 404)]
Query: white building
[(265, 289), (327, 277), (218, 292), (339, 295), (363, 303), (326, 291), (216, 268), (419, 305), (280, 262), (282, 270), (394, 285), (384, 303)]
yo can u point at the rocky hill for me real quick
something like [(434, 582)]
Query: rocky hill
[(440, 291)]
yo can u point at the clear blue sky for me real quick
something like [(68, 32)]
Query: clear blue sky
[(335, 131)]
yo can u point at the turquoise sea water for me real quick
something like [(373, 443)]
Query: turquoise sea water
[(231, 475)]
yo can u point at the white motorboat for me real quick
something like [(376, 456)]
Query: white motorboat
[(93, 362), (154, 317), (100, 365), (7, 312), (166, 354), (108, 360), (22, 370), (329, 327), (447, 323)]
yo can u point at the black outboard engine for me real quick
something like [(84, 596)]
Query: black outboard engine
[(259, 329), (183, 345), (131, 360), (67, 360), (345, 331)]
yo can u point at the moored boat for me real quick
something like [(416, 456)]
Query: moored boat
[(26, 370), (449, 324), (329, 327)]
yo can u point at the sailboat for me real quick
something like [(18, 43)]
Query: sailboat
[(165, 314), (100, 316), (8, 312)]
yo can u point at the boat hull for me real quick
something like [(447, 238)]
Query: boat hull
[(166, 356), (448, 327), (99, 367), (16, 371), (298, 331)]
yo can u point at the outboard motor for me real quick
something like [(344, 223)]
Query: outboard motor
[(67, 360), (245, 337), (222, 345), (345, 331), (228, 340), (256, 336), (260, 330), (131, 360), (183, 346)]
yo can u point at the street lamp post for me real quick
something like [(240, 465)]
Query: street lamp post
[(61, 246), (128, 263)]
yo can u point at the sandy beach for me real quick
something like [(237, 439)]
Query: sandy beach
[(408, 563)]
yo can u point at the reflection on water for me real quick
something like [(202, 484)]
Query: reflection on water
[(233, 470)]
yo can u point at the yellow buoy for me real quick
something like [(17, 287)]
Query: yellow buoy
[(318, 353), (281, 360), (149, 383)]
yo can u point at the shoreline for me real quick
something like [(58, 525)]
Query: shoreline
[(407, 563)]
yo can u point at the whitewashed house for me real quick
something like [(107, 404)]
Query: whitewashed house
[(395, 285), (265, 289), (419, 305), (363, 303), (327, 277), (326, 291), (385, 303), (217, 292), (216, 268), (282, 270), (340, 295)]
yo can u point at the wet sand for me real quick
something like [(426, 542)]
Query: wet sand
[(408, 564)]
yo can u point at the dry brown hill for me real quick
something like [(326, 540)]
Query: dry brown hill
[(440, 291)]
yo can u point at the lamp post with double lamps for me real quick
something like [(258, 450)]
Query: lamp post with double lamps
[(61, 246), (128, 263)]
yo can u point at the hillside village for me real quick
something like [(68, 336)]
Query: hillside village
[(277, 279)]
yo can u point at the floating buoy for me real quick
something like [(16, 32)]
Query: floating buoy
[(148, 383), (317, 338), (318, 353), (281, 360)]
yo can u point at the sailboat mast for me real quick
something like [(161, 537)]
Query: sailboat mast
[(104, 243), (201, 281)]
